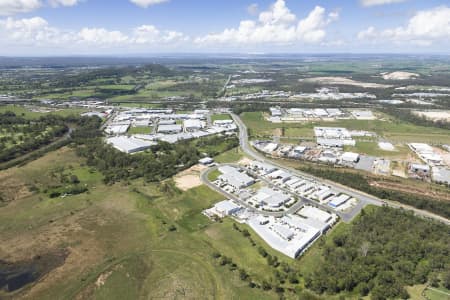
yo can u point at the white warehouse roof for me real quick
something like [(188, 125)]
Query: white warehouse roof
[(129, 144), (338, 201), (271, 197), (262, 166), (117, 129), (350, 157), (420, 147), (193, 124), (303, 234), (315, 213), (235, 178), (226, 206), (169, 128)]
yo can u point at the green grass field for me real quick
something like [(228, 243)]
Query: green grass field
[(257, 125), (230, 156), (392, 130), (124, 87), (123, 234), (213, 175), (371, 148), (120, 238), (140, 130), (158, 89), (134, 239), (22, 111), (437, 293), (218, 117)]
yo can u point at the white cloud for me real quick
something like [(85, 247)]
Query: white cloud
[(148, 34), (424, 28), (35, 33), (368, 33), (101, 36), (312, 28), (11, 7), (147, 3), (276, 25), (253, 9), (32, 32), (379, 2), (56, 3), (278, 13)]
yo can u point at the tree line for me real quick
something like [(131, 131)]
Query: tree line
[(360, 182), (22, 136), (408, 116), (383, 251), (161, 161)]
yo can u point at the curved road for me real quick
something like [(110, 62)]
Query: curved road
[(295, 207), (364, 199), (205, 180)]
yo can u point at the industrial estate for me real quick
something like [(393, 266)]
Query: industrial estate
[(249, 150), (225, 178)]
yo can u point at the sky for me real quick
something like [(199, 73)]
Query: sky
[(146, 27)]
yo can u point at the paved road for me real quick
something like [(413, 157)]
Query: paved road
[(205, 180), (294, 208), (364, 199), (226, 83), (299, 204), (109, 119)]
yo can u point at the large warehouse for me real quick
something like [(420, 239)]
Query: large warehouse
[(235, 178), (169, 128), (193, 125), (289, 235), (270, 197), (129, 144)]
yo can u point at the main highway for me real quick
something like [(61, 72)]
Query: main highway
[(363, 198)]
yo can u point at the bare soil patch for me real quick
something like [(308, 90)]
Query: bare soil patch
[(435, 115), (345, 81), (244, 161), (400, 76), (189, 178)]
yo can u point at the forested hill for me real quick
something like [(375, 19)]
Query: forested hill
[(380, 253)]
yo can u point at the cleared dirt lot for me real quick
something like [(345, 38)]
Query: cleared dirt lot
[(345, 81), (442, 115), (400, 76), (189, 178)]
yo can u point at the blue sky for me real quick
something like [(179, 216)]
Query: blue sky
[(71, 27)]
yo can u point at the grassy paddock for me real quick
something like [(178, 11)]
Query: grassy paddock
[(219, 117), (148, 243), (214, 175), (22, 111), (393, 130), (230, 156), (140, 130), (371, 148)]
